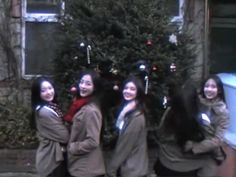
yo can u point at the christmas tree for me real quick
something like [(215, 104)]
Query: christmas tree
[(122, 37)]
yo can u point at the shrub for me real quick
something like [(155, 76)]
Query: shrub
[(15, 131)]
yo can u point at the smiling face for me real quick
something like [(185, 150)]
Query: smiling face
[(129, 91), (86, 86), (47, 91), (210, 89)]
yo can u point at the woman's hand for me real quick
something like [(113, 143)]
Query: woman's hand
[(188, 146), (72, 147)]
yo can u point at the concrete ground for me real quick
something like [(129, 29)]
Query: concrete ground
[(18, 174), (21, 163), (34, 175)]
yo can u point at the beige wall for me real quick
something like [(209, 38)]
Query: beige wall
[(11, 86)]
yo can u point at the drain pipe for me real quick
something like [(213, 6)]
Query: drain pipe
[(206, 40)]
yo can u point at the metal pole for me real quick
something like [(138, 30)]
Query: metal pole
[(206, 40)]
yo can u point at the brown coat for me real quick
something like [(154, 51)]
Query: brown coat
[(214, 129), (131, 153), (85, 157), (199, 154), (51, 132), (219, 116), (172, 156)]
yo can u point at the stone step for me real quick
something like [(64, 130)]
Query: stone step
[(15, 160), (15, 174), (21, 163)]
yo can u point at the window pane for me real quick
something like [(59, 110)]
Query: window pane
[(43, 6), (40, 47), (224, 2), (224, 10), (223, 50), (173, 7)]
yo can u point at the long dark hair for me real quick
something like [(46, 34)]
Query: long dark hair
[(181, 121), (140, 98), (98, 85), (36, 100), (219, 85)]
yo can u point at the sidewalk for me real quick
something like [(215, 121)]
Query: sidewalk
[(18, 174), (17, 163), (21, 163)]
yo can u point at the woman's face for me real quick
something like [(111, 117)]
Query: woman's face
[(210, 89), (47, 91), (129, 91), (86, 86)]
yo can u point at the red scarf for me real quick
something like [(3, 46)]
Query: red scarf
[(74, 107)]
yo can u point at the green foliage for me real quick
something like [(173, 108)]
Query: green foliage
[(15, 129), (122, 33)]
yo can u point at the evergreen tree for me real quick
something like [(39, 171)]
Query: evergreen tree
[(121, 37)]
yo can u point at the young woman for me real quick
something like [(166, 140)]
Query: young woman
[(130, 157), (214, 120), (84, 153), (178, 126), (52, 133)]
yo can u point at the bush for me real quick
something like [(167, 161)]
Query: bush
[(15, 131)]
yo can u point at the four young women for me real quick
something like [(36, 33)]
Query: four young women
[(191, 131)]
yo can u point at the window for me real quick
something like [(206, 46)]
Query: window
[(39, 35), (39, 39), (175, 8), (222, 36)]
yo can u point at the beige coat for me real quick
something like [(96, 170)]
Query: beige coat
[(52, 133), (85, 157), (219, 122), (215, 127), (131, 152), (199, 155)]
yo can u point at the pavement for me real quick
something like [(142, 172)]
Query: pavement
[(34, 175), (18, 174), (17, 163), (21, 163)]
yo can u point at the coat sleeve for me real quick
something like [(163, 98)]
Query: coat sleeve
[(50, 126), (216, 140), (93, 124), (125, 144)]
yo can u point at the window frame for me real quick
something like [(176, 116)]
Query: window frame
[(52, 18), (224, 21), (38, 18), (180, 18)]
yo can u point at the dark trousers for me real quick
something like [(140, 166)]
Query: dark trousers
[(60, 170), (96, 176), (162, 171)]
